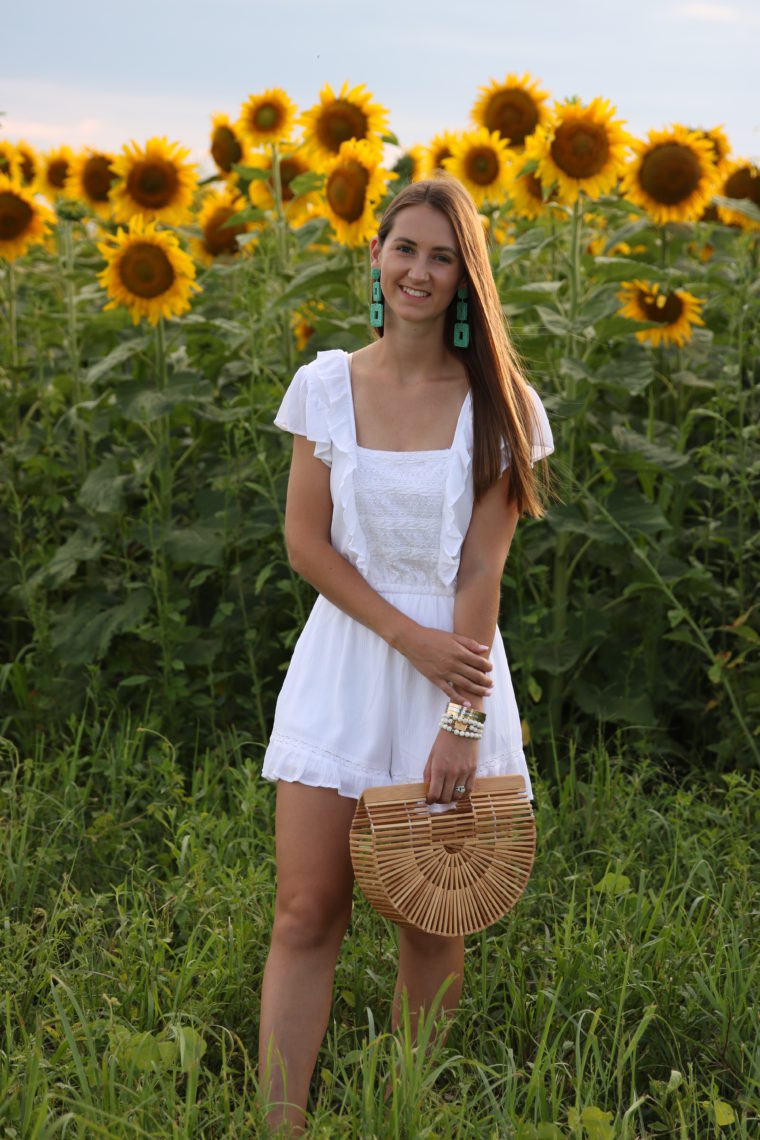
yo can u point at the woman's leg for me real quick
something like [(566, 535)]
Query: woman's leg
[(312, 911), (425, 961)]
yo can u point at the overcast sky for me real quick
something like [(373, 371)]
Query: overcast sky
[(83, 72)]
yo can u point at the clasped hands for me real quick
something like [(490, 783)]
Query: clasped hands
[(460, 667)]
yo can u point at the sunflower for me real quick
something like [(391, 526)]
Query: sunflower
[(721, 147), (147, 272), (339, 118), (530, 198), (582, 148), (675, 312), (28, 162), (218, 239), (672, 175), (53, 171), (227, 145), (741, 182), (23, 220), (353, 187), (10, 162), (480, 159), (90, 179), (267, 118), (438, 149), (261, 190), (154, 183), (513, 108), (410, 165)]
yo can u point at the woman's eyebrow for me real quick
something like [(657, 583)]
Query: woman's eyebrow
[(411, 241)]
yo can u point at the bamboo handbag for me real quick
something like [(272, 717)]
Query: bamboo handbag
[(450, 871)]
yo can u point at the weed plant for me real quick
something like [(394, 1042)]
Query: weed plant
[(619, 999)]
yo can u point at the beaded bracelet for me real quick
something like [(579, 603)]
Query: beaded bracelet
[(463, 721)]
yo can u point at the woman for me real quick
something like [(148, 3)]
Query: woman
[(412, 461)]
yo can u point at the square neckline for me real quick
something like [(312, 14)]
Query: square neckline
[(432, 451)]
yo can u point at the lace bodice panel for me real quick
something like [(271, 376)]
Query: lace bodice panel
[(400, 504)]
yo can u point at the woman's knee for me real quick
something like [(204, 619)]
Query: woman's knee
[(307, 918), (420, 943)]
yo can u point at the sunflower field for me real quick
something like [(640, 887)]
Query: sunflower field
[(151, 318)]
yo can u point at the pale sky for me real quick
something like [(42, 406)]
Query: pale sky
[(85, 72)]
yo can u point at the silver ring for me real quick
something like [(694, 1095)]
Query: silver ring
[(460, 789)]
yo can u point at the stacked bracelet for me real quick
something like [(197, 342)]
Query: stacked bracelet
[(463, 721)]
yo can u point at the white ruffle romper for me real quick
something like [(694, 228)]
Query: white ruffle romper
[(354, 713)]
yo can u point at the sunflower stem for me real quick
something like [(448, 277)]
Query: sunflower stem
[(13, 327), (282, 248), (72, 340)]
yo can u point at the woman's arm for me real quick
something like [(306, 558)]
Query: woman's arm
[(437, 654), (453, 759)]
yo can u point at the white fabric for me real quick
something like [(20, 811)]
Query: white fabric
[(352, 712)]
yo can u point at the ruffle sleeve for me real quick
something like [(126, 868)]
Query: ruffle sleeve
[(303, 411)]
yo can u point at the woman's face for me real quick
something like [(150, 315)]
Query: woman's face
[(420, 265)]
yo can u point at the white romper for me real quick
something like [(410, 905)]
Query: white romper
[(352, 712)]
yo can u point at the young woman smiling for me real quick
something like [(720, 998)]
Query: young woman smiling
[(412, 462)]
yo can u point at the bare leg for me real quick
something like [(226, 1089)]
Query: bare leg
[(425, 961), (312, 911)]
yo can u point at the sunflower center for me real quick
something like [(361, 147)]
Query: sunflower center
[(340, 121), (15, 215), (225, 149), (665, 308), (28, 169), (439, 156), (670, 173), (56, 172), (513, 114), (580, 149), (290, 168), (744, 183), (534, 187), (267, 117), (97, 178), (5, 163), (218, 238), (482, 165), (346, 190), (145, 270), (153, 184)]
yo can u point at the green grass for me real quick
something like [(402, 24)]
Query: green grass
[(619, 999)]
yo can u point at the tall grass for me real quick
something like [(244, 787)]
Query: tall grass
[(137, 881)]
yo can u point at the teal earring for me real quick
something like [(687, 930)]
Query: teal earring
[(376, 315), (462, 328)]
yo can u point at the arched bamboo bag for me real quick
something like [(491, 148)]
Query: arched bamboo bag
[(446, 872)]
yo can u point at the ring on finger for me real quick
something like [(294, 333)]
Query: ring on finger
[(460, 789)]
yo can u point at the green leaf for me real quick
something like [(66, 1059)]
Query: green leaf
[(191, 1047), (597, 1123), (83, 546), (724, 1113), (613, 883), (306, 183), (83, 631), (103, 489), (741, 205), (117, 356), (553, 320), (628, 269), (197, 544)]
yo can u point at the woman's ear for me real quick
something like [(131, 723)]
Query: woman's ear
[(374, 251)]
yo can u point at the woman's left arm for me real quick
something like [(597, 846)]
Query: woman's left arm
[(453, 759)]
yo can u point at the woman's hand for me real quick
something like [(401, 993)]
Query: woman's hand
[(451, 764), (458, 665)]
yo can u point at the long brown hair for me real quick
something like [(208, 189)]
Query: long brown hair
[(502, 407)]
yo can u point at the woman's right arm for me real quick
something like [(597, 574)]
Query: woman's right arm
[(437, 654)]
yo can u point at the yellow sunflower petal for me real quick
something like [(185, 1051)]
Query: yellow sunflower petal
[(582, 149), (672, 175), (353, 187), (154, 182), (676, 312), (336, 119), (513, 108), (721, 148), (23, 219), (90, 178), (480, 159), (147, 272), (530, 198)]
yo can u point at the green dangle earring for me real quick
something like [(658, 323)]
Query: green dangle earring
[(376, 315), (462, 328)]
